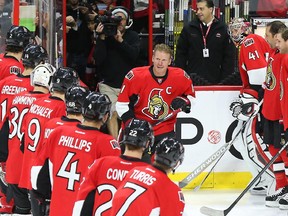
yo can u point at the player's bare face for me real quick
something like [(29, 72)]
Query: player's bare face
[(204, 13), (161, 61), (281, 44), (269, 37)]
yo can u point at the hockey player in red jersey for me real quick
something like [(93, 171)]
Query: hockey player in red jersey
[(150, 186), (106, 174), (271, 111), (71, 149), (14, 84), (18, 37), (253, 56), (40, 80), (153, 92), (282, 45), (41, 111), (74, 98)]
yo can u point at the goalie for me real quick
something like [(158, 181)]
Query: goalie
[(254, 151)]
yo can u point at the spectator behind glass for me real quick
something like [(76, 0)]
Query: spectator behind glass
[(204, 46), (5, 21), (115, 55), (78, 37)]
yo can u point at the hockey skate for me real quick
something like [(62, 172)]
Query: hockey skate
[(283, 202), (262, 187), (273, 200)]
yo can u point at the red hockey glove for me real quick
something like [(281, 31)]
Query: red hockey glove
[(181, 102)]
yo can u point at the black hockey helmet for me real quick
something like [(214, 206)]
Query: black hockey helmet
[(18, 36), (169, 152), (64, 78), (96, 106), (74, 99), (33, 55), (137, 133)]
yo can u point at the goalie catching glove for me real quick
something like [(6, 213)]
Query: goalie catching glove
[(181, 102)]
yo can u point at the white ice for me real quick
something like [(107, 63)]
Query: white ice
[(249, 205)]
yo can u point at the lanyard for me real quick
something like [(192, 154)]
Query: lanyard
[(205, 36)]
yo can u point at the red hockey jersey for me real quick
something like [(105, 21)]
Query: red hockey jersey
[(154, 96), (104, 177), (284, 90), (271, 109), (253, 57), (148, 191), (10, 86), (56, 122), (71, 149), (19, 107), (10, 65), (41, 111)]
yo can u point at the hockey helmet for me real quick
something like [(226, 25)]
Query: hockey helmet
[(138, 133), (42, 74), (64, 78), (96, 106), (34, 55), (169, 152), (238, 29), (18, 36), (74, 99)]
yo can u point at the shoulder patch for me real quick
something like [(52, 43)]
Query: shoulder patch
[(248, 42), (15, 70), (115, 144), (129, 75)]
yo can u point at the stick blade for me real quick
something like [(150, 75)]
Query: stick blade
[(211, 212)]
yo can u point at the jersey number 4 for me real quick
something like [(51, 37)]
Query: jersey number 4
[(71, 174)]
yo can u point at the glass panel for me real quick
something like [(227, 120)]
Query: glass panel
[(5, 21)]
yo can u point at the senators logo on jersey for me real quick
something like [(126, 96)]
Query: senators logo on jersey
[(270, 79), (156, 108)]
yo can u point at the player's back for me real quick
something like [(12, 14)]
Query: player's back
[(57, 122), (147, 191), (10, 86), (71, 149), (103, 177), (10, 65), (41, 111), (20, 104)]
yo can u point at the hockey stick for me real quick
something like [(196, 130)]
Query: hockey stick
[(214, 212), (228, 147), (169, 116), (217, 155)]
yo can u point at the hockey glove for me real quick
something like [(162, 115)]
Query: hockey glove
[(181, 102)]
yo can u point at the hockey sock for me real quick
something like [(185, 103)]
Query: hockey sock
[(278, 168)]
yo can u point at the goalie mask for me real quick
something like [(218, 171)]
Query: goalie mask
[(238, 29), (246, 105), (42, 75)]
